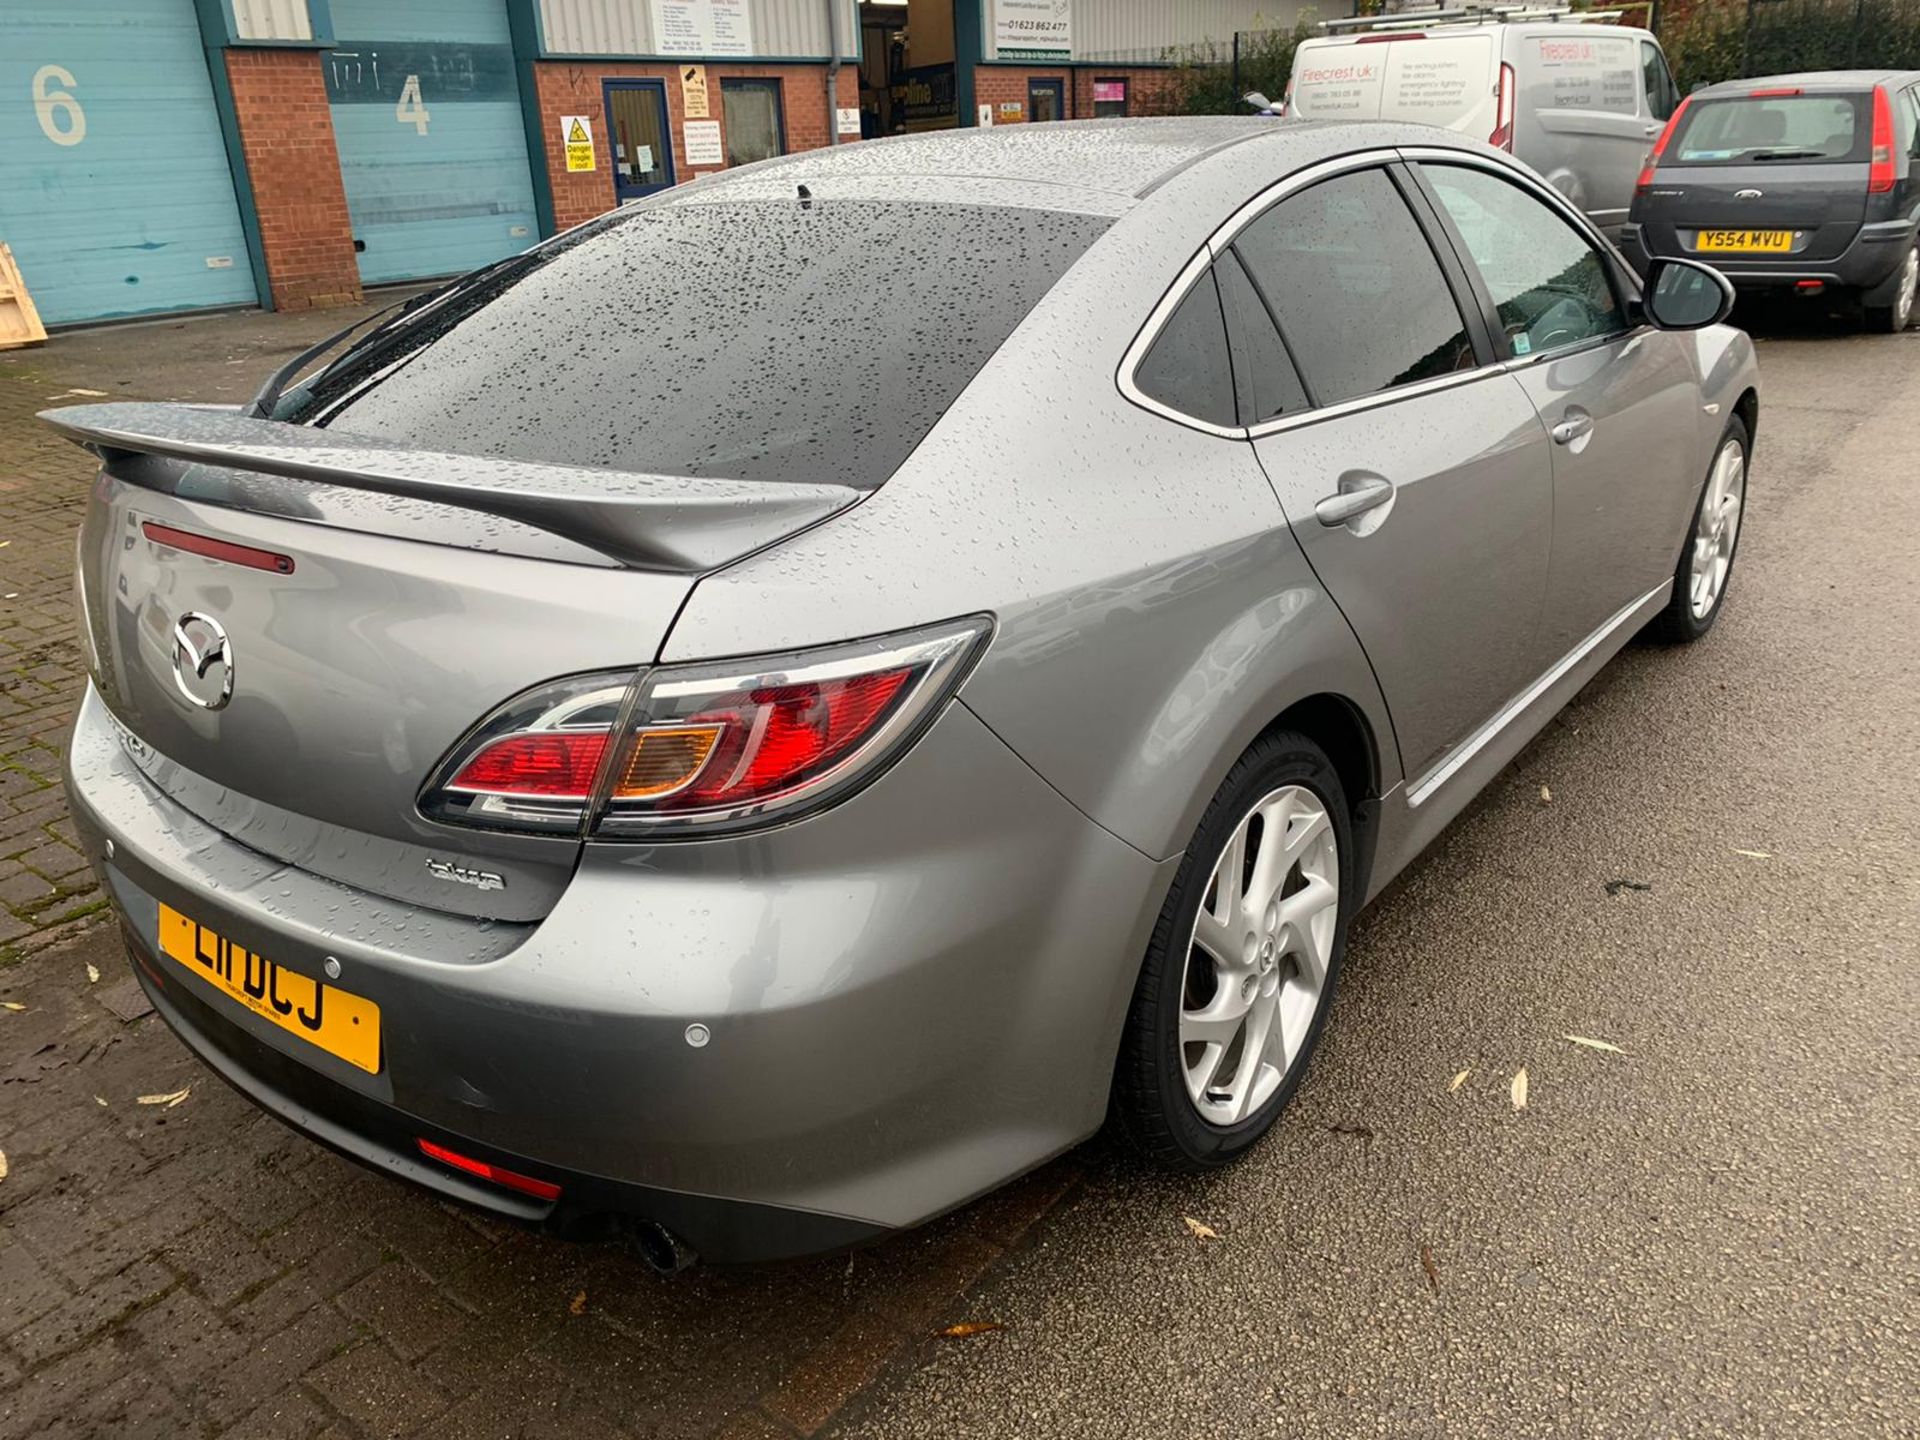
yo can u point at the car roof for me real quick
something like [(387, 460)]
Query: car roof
[(1105, 165), (1820, 81)]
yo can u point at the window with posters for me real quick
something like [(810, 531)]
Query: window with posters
[(1109, 96), (1589, 72)]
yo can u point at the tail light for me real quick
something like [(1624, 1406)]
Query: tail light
[(1660, 147), (1880, 168), (1502, 137), (701, 749)]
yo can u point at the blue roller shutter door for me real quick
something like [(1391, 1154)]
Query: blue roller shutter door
[(426, 115), (115, 192)]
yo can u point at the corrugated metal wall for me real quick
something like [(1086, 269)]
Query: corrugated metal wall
[(1140, 29), (272, 20), (786, 28)]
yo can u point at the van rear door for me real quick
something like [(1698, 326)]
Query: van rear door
[(1449, 80)]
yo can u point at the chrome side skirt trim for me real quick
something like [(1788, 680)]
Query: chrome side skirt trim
[(1424, 788)]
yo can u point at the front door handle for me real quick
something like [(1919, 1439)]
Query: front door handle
[(1572, 428), (1357, 496)]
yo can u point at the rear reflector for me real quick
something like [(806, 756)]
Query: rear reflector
[(217, 549), (1880, 170), (494, 1174), (1809, 287)]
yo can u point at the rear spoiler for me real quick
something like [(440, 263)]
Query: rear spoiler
[(646, 522)]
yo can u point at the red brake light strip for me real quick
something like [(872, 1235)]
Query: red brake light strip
[(213, 549)]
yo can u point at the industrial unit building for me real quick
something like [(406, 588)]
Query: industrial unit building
[(159, 156)]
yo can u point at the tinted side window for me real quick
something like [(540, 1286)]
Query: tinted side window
[(1187, 369), (1262, 370), (1662, 95), (1548, 284), (1361, 301)]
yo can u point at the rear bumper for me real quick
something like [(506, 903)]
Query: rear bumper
[(1872, 260), (911, 998)]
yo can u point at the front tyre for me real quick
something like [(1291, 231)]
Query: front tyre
[(1897, 314), (1701, 578), (1240, 971)]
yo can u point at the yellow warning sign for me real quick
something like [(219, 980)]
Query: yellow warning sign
[(576, 138), (693, 91)]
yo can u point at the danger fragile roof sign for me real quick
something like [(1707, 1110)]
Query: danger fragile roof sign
[(576, 138)]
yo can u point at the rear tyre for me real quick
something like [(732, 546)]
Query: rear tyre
[(1705, 570), (1240, 971), (1898, 313)]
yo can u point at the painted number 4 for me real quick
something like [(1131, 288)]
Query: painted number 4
[(410, 110)]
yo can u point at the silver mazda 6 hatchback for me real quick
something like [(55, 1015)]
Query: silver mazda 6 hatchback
[(772, 712)]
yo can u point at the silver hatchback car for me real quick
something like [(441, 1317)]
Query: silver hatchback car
[(768, 715)]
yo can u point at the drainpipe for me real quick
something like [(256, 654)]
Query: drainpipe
[(833, 72)]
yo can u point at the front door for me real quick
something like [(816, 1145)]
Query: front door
[(1620, 402), (1418, 484), (1047, 99), (642, 151)]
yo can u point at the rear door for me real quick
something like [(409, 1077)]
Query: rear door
[(1620, 402), (1418, 483), (1775, 176)]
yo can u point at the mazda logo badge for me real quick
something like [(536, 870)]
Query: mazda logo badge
[(1747, 194), (202, 661)]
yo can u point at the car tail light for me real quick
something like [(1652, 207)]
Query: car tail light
[(493, 1174), (1660, 146), (702, 749), (1880, 168), (1502, 137)]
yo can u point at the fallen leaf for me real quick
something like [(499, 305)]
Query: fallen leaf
[(1519, 1088), (11, 1005), (1457, 1081), (1594, 1044), (969, 1327), (167, 1100), (3, 1164), (93, 975), (578, 1305), (1199, 1229), (1361, 1132), (1755, 854), (1546, 795), (1614, 887), (1433, 1270), (100, 1100)]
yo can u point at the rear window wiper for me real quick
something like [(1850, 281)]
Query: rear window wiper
[(1791, 155)]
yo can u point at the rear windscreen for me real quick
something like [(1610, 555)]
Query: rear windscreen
[(753, 340), (1759, 130)]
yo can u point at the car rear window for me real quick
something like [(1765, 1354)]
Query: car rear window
[(775, 340), (1768, 129)]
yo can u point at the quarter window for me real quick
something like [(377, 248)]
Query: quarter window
[(1360, 299), (1549, 286), (1263, 372), (1187, 369)]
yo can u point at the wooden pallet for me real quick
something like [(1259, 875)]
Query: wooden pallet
[(19, 321)]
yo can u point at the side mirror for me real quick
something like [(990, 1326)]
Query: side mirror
[(1686, 295)]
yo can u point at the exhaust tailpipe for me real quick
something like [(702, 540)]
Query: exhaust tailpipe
[(661, 1248)]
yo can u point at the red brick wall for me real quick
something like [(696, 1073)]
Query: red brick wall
[(286, 132), (573, 88), (1149, 91)]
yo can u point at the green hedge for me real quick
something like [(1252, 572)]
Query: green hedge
[(1718, 40)]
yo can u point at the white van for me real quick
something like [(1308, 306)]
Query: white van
[(1578, 99)]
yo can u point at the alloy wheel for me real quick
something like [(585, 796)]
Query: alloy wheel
[(1259, 955), (1717, 530)]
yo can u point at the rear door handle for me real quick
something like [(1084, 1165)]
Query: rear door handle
[(1571, 429), (1356, 497)]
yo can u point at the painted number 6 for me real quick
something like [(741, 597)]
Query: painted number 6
[(71, 127), (410, 110)]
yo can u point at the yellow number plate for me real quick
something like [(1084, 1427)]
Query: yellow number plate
[(324, 1015), (1764, 241)]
